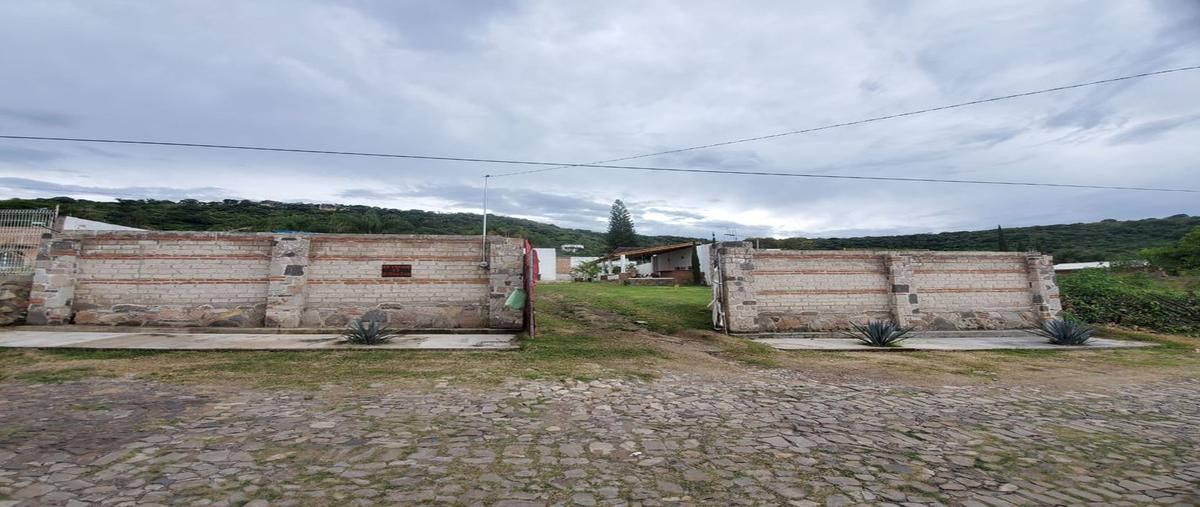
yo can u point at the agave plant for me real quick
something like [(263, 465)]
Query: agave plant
[(880, 333), (371, 332), (1065, 332)]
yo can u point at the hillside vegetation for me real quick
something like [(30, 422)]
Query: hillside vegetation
[(1096, 241), (1136, 299), (263, 216), (1107, 240)]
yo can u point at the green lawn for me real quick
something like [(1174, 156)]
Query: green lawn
[(665, 309), (590, 330)]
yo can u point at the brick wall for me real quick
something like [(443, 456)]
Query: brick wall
[(273, 280), (769, 290)]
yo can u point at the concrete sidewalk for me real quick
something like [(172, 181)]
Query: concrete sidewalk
[(934, 341), (164, 340)]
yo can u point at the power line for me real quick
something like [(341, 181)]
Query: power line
[(599, 166), (859, 122)]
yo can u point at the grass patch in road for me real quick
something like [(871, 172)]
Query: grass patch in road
[(553, 346), (58, 376), (664, 309), (1032, 353), (103, 353), (752, 353)]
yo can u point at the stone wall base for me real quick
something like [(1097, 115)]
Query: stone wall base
[(14, 298), (447, 316), (173, 315)]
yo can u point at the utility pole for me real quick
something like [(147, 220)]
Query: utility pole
[(483, 261)]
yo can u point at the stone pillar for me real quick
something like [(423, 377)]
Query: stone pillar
[(506, 263), (14, 297), (53, 290), (288, 275), (905, 309), (737, 277), (1046, 302)]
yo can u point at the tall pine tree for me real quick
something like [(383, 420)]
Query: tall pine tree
[(620, 227), (1001, 241)]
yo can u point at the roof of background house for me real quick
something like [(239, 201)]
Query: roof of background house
[(1073, 266), (647, 250), (83, 224)]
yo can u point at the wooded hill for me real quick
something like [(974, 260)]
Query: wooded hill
[(263, 216), (1106, 240), (1096, 241)]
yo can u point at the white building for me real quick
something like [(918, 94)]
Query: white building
[(81, 224), (547, 264)]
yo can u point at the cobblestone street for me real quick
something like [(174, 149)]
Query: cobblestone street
[(767, 438)]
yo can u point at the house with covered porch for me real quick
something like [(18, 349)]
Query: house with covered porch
[(668, 262)]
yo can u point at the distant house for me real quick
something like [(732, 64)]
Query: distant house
[(81, 224), (547, 264), (1068, 267), (665, 261), (557, 268)]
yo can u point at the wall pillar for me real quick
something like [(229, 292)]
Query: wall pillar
[(53, 291), (1047, 304), (288, 275), (905, 302), (737, 278), (506, 259)]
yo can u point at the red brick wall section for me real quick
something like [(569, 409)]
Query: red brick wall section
[(276, 280), (771, 291)]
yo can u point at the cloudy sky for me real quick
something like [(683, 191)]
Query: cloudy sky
[(587, 81)]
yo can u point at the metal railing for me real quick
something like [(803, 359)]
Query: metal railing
[(21, 233)]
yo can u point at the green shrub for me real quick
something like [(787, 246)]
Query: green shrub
[(1099, 296), (1180, 258), (1065, 332), (371, 332), (879, 333)]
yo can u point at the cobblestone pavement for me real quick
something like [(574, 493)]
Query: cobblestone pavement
[(762, 439)]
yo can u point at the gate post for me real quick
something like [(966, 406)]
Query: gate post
[(1046, 302), (288, 279), (51, 297), (902, 290), (737, 280)]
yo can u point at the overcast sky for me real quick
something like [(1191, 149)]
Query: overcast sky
[(586, 81)]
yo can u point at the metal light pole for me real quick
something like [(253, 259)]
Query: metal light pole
[(483, 261)]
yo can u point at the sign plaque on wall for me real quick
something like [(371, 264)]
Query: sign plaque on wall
[(397, 271)]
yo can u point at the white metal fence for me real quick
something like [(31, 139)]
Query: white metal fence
[(21, 232)]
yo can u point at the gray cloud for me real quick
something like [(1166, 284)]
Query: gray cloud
[(19, 154), (46, 188), (1147, 131), (545, 80), (35, 117)]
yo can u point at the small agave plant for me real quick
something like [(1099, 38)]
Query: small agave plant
[(880, 333), (371, 332), (1065, 332)]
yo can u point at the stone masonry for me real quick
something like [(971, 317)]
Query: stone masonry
[(14, 297), (287, 279), (53, 289), (767, 291), (274, 280)]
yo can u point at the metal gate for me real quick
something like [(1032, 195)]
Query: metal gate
[(717, 283), (21, 232)]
